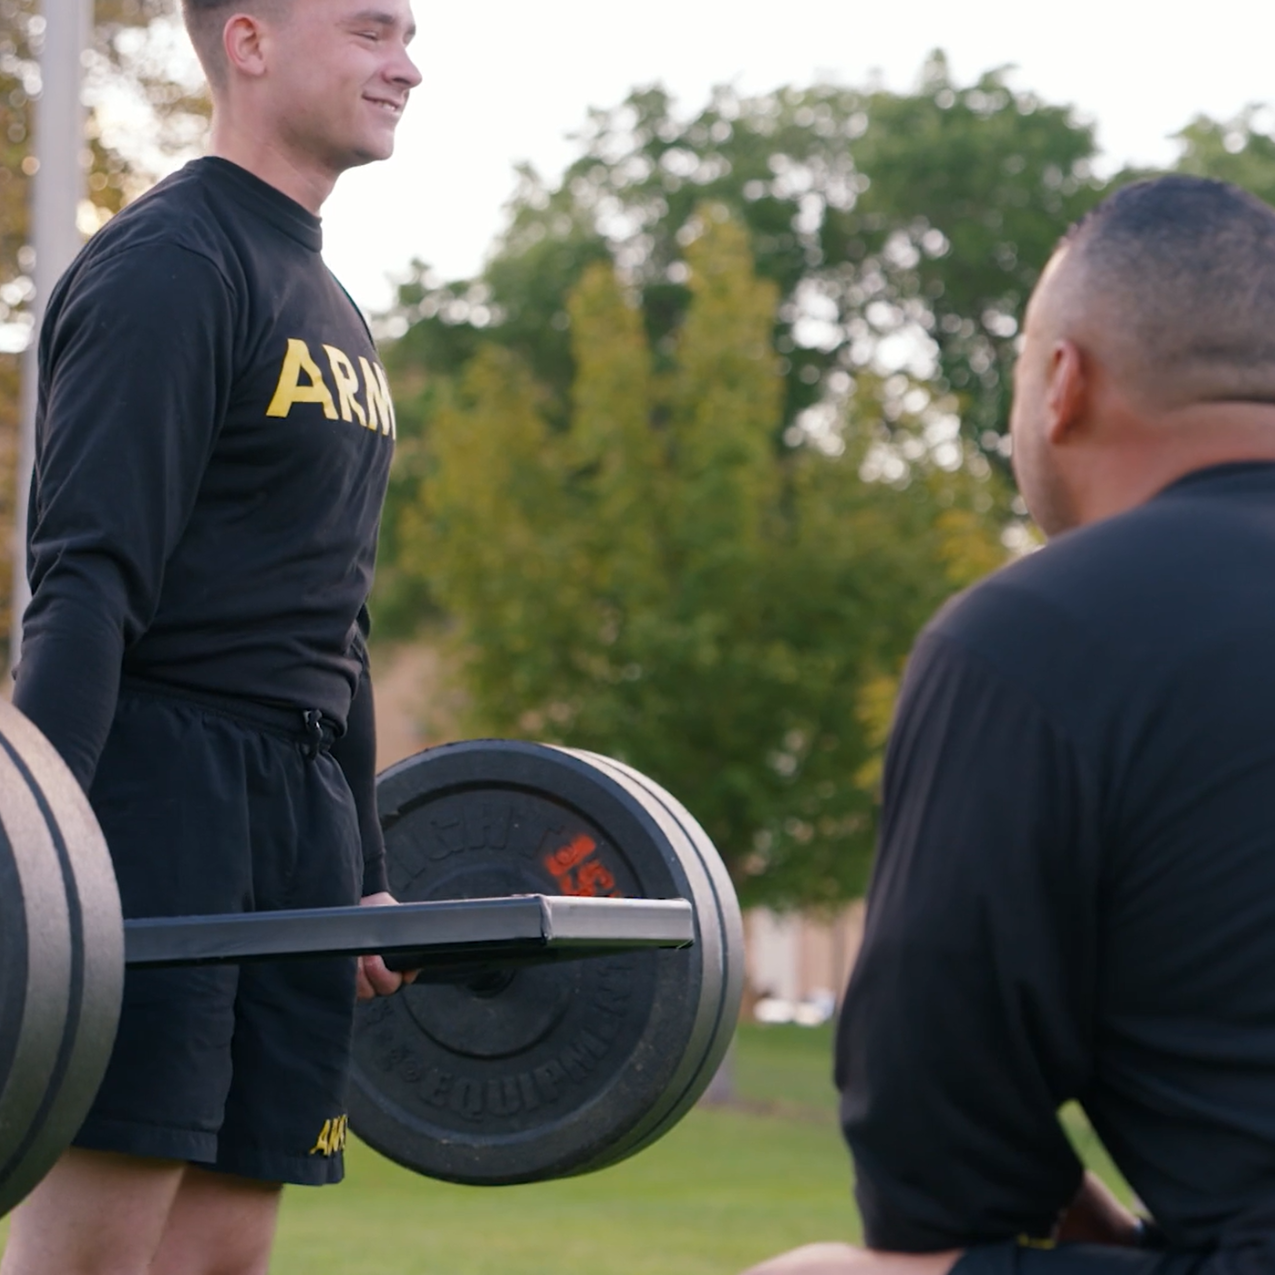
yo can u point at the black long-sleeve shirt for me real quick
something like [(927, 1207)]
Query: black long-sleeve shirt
[(213, 443), (1074, 896)]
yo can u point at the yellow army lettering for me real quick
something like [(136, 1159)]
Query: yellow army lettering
[(379, 404), (347, 384), (290, 390), (302, 381), (331, 1136)]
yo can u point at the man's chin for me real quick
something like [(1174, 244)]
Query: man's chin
[(369, 153)]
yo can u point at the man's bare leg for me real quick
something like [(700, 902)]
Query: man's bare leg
[(845, 1259), (96, 1213), (219, 1225)]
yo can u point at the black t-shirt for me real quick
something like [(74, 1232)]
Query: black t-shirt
[(213, 443), (1074, 896)]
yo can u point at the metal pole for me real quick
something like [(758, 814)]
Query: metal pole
[(59, 185)]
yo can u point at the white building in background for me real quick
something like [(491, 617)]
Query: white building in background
[(798, 962)]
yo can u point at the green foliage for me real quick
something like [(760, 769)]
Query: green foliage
[(899, 229), (654, 579), (691, 510), (902, 233), (1238, 150)]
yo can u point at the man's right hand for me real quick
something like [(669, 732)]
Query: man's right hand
[(374, 978)]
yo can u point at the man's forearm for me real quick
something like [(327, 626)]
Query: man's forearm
[(355, 752), (68, 679)]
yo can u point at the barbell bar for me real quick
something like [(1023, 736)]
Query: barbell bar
[(522, 929)]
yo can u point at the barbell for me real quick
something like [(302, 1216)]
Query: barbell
[(579, 945)]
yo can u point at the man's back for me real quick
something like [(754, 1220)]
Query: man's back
[(1083, 906)]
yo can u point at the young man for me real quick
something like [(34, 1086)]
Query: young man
[(213, 446), (1074, 897)]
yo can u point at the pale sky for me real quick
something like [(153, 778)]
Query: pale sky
[(507, 81)]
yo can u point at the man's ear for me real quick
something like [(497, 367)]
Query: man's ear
[(1067, 391), (242, 40)]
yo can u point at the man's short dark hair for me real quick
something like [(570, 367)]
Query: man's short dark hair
[(206, 20), (1183, 269)]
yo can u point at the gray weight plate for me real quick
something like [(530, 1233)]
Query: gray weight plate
[(34, 981), (542, 1073), (732, 921), (74, 958), (730, 926), (688, 1082), (16, 998)]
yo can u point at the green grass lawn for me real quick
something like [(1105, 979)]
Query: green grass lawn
[(724, 1189)]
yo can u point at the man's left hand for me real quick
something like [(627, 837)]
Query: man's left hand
[(374, 979)]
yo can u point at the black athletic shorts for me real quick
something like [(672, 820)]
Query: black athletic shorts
[(1080, 1259), (236, 1068)]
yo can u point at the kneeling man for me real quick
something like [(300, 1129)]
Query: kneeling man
[(1074, 898)]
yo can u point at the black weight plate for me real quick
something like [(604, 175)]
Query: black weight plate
[(540, 1073), (74, 958), (731, 926)]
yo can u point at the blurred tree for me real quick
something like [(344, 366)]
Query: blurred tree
[(130, 69), (1239, 150), (903, 232), (654, 579), (131, 72)]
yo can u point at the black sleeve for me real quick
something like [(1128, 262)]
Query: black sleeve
[(966, 1023), (355, 752), (134, 369)]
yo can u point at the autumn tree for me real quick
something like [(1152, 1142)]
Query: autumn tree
[(1239, 150), (903, 232), (131, 58), (652, 578)]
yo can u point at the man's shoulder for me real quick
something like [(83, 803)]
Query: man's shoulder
[(1171, 573), (1062, 583), (178, 217)]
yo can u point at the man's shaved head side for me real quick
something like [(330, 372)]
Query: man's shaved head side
[(206, 21), (1173, 283)]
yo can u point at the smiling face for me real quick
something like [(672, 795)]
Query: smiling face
[(342, 82)]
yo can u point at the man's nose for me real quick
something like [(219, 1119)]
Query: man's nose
[(404, 71)]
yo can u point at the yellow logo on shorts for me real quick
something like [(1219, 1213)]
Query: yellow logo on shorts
[(332, 1136), (1037, 1241)]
